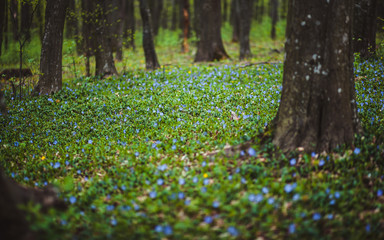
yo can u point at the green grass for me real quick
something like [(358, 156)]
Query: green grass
[(142, 156)]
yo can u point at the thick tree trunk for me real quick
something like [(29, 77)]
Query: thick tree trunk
[(364, 27), (244, 14), (318, 108), (105, 65), (274, 16), (151, 61), (14, 225), (129, 26), (50, 80), (210, 47), (156, 8), (40, 20)]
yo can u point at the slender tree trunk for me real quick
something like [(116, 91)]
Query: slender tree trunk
[(129, 26), (115, 27), (364, 27), (244, 14), (197, 17), (274, 16), (151, 61), (105, 65), (185, 46), (88, 21), (318, 107), (174, 15), (235, 21), (156, 8), (164, 16), (50, 80), (25, 26), (210, 47), (2, 22)]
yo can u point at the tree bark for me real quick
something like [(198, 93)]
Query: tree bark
[(115, 22), (244, 14), (14, 10), (318, 107), (105, 65), (6, 34), (25, 25), (151, 61), (197, 17), (14, 225), (40, 20), (156, 8), (129, 26), (174, 15), (2, 21), (364, 27), (225, 10), (186, 26), (210, 46), (50, 80), (274, 16), (235, 21)]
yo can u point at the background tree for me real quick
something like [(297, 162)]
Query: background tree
[(156, 9), (210, 46), (318, 107), (364, 27), (186, 26), (105, 66), (129, 25), (50, 79), (274, 16), (244, 14), (235, 21), (115, 19), (3, 11), (151, 61)]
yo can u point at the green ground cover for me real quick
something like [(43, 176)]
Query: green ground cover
[(142, 156)]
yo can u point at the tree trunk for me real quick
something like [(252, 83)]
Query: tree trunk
[(225, 10), (105, 65), (14, 9), (235, 21), (40, 20), (6, 34), (174, 15), (185, 46), (25, 26), (14, 225), (51, 51), (115, 26), (210, 47), (151, 61), (274, 16), (2, 21), (244, 14), (156, 8), (129, 26), (364, 27), (164, 16), (318, 107), (197, 17)]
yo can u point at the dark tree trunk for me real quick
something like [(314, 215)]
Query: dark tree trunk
[(364, 27), (88, 22), (274, 16), (6, 34), (14, 8), (174, 15), (186, 26), (129, 28), (156, 8), (164, 16), (235, 21), (244, 14), (26, 21), (105, 65), (2, 21), (210, 47), (197, 17), (225, 10), (51, 51), (380, 16), (40, 20), (71, 21), (284, 9), (115, 26), (151, 61), (318, 107), (14, 225), (260, 12)]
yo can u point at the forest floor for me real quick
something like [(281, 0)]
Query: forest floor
[(152, 155)]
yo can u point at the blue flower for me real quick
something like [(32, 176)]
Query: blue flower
[(357, 151), (296, 197), (337, 195), (203, 164), (162, 167), (292, 161), (379, 193), (259, 198), (136, 154), (90, 141), (208, 219), (233, 231), (332, 202), (289, 188), (264, 190), (292, 228), (368, 228), (321, 162), (72, 199), (252, 197), (181, 195), (113, 222), (159, 228), (195, 179), (316, 216), (206, 181), (181, 181), (152, 194), (203, 189), (57, 165), (16, 144), (160, 181), (271, 200), (215, 204), (330, 216), (110, 207), (167, 230), (173, 147), (251, 152)]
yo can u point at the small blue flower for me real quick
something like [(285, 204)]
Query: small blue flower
[(160, 181), (113, 222), (173, 147), (296, 197), (206, 181), (16, 144), (264, 190), (208, 219), (167, 230), (252, 197), (316, 216), (181, 195), (203, 164), (57, 165), (357, 151), (90, 141), (195, 179), (271, 200), (368, 228), (251, 152), (292, 228), (136, 154), (243, 180), (203, 189), (152, 194), (337, 195), (233, 231), (259, 198), (110, 207), (321, 163), (215, 204), (379, 193), (330, 216), (181, 181), (332, 202), (72, 199), (159, 228), (289, 188), (292, 161)]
